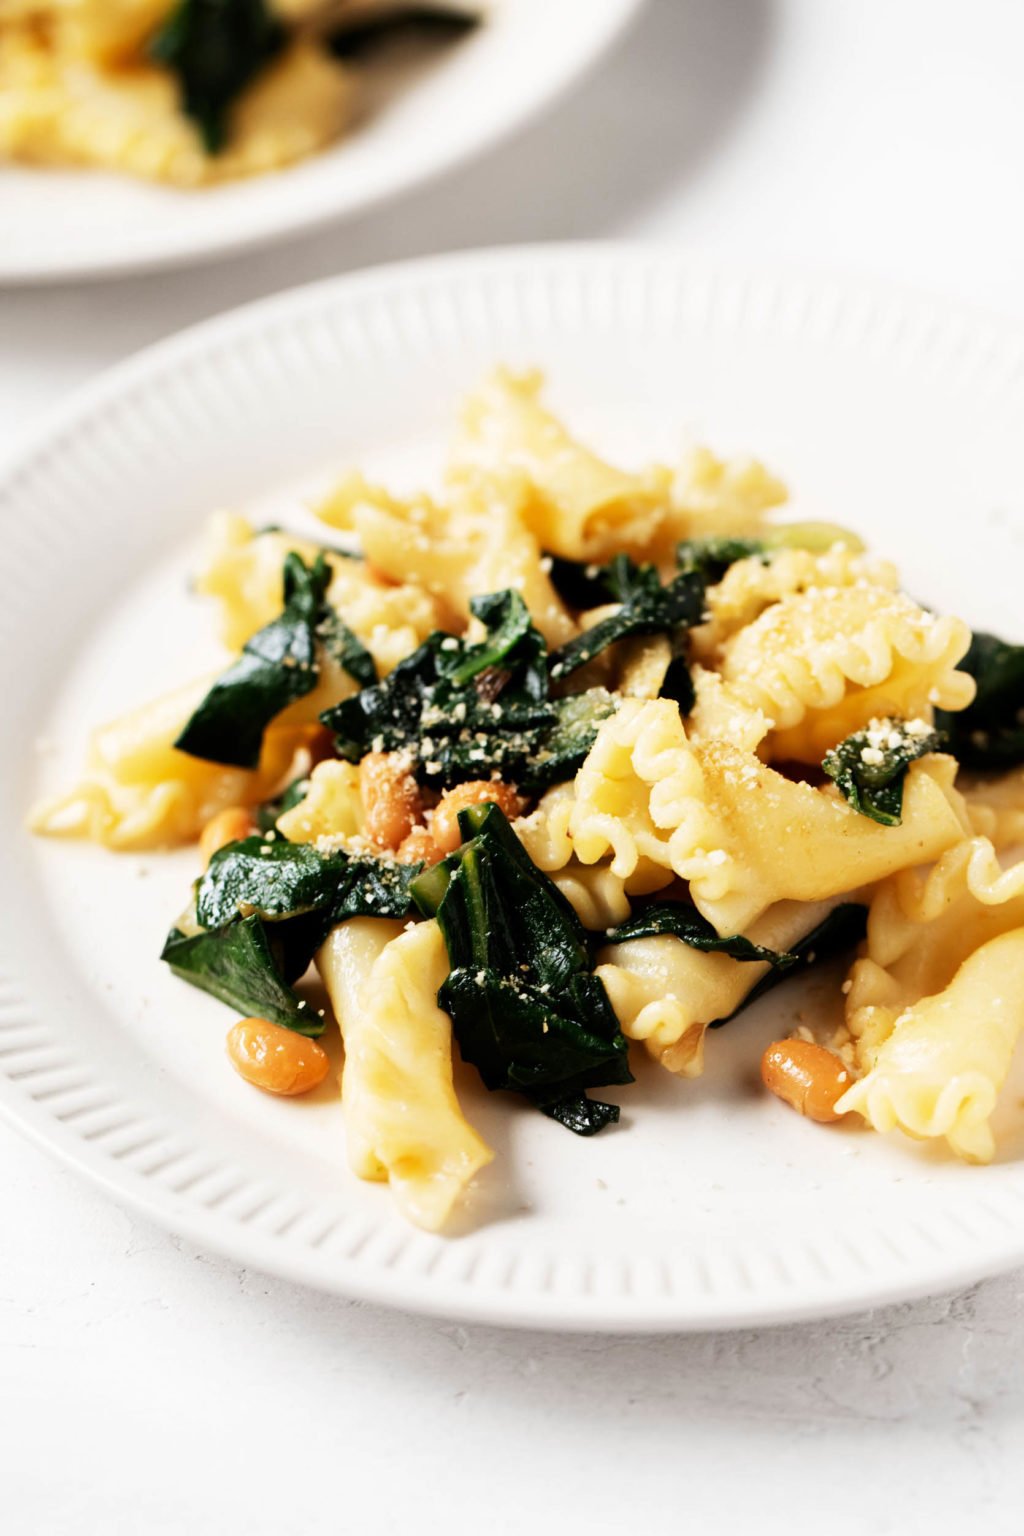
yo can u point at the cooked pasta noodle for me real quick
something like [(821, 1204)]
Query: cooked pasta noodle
[(402, 1120)]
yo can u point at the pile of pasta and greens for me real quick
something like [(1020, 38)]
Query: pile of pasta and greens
[(565, 757), (191, 91)]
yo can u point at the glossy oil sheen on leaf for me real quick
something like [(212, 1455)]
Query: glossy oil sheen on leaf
[(237, 964), (279, 664), (276, 879), (264, 907)]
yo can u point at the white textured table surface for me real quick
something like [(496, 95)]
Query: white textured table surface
[(146, 1387)]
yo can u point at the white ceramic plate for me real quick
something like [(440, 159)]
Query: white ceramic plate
[(711, 1204), (419, 122)]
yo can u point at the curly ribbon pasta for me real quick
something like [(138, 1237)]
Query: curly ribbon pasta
[(752, 585), (823, 663), (475, 541), (666, 993), (741, 834), (995, 807), (402, 1119), (583, 508), (138, 792), (939, 1070)]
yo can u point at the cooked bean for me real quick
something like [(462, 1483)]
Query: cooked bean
[(808, 1076), (445, 824), (391, 799), (226, 827), (274, 1058), (417, 848)]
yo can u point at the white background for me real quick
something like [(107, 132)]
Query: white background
[(146, 1387)]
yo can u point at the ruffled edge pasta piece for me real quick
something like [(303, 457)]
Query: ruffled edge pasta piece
[(666, 993), (578, 505), (995, 806), (720, 714), (403, 1123), (823, 663), (741, 834), (922, 926), (751, 585), (474, 541), (713, 496), (138, 792), (939, 1071)]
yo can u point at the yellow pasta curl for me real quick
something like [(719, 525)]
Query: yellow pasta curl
[(402, 1119), (822, 663), (741, 834), (940, 1068), (138, 792)]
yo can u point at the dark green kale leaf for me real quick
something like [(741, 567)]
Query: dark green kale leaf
[(268, 879), (419, 23), (278, 665), (375, 888), (871, 765), (525, 1007), (989, 735), (580, 585), (582, 1116), (647, 608), (262, 910), (277, 879), (562, 747), (243, 966), (216, 48), (844, 927), (588, 586), (677, 684), (711, 557), (685, 922), (466, 710)]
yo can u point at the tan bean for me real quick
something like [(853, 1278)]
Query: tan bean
[(445, 823), (226, 827), (417, 848), (391, 799), (276, 1059), (807, 1076)]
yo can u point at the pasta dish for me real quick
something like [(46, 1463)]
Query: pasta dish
[(191, 92), (562, 757)]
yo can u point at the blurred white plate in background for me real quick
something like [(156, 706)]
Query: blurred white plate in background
[(455, 103), (711, 1204)]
